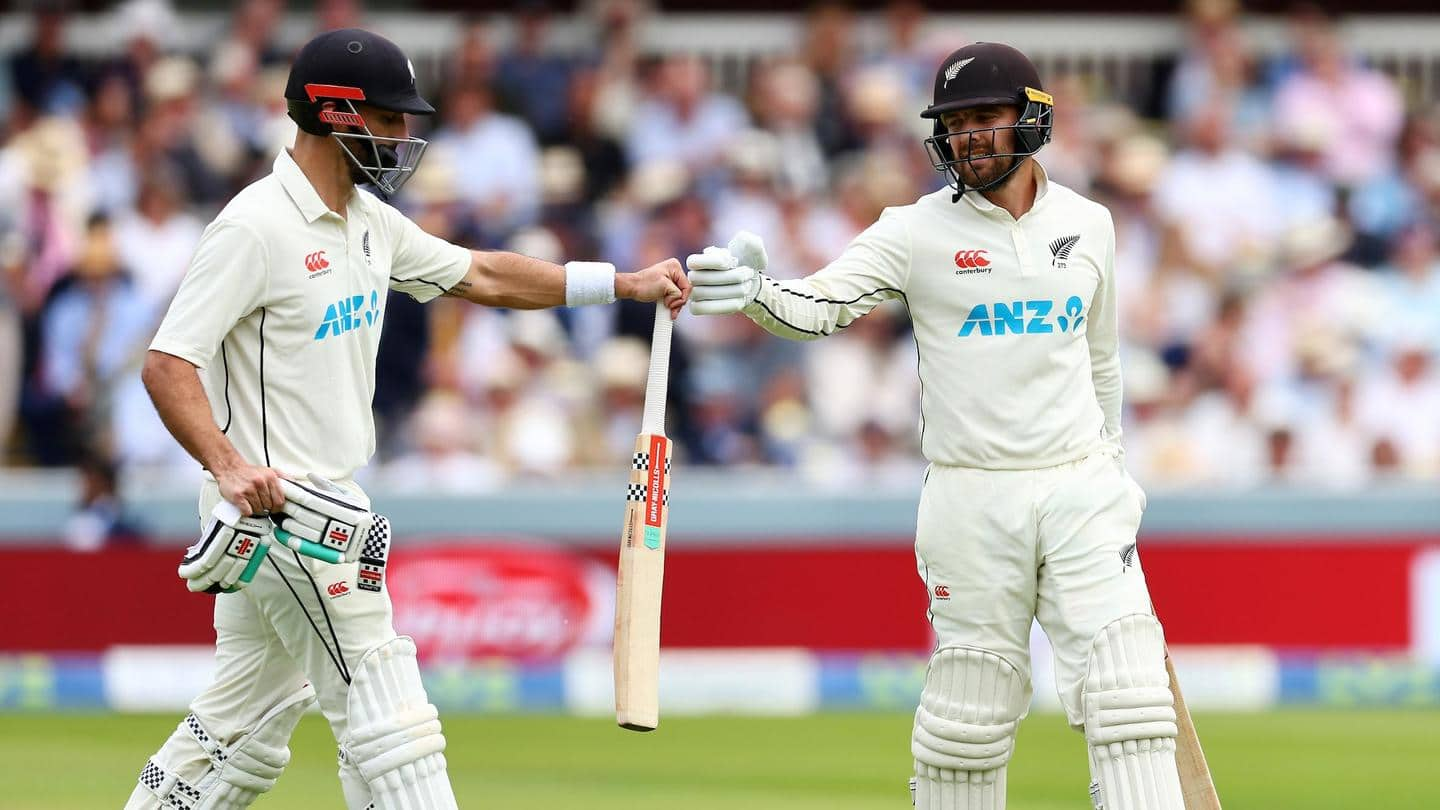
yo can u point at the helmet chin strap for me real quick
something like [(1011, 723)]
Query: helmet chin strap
[(961, 187)]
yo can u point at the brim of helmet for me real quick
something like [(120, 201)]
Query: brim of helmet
[(937, 110), (410, 103)]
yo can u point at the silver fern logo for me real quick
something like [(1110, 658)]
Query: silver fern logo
[(1127, 557), (1060, 251), (954, 70)]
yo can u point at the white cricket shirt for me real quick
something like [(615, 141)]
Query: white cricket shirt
[(281, 310), (1014, 321)]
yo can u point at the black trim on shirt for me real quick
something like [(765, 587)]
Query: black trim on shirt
[(421, 280), (264, 426), (807, 297), (838, 326), (229, 411)]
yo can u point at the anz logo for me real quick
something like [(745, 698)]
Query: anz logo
[(348, 314), (1023, 318)]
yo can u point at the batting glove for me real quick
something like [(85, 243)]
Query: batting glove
[(322, 520), (726, 280), (228, 553)]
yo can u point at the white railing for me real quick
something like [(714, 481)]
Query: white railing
[(1118, 51)]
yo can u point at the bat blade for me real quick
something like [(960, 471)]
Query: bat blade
[(639, 584), (640, 574), (1196, 785)]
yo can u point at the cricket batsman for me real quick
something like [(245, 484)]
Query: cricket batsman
[(264, 370), (1026, 511)]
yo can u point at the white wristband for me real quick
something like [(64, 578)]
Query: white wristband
[(589, 283)]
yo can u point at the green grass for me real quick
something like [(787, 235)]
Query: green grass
[(1314, 760)]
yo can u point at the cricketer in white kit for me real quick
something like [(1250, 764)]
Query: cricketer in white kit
[(1026, 510), (264, 370)]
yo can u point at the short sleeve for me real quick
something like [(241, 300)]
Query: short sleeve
[(423, 266), (227, 280)]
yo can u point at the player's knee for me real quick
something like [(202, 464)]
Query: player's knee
[(969, 710), (394, 741), (230, 776), (1127, 691)]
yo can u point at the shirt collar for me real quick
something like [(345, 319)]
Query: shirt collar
[(298, 186), (1042, 185)]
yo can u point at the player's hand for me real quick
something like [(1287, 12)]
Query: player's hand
[(662, 281), (253, 490), (322, 520), (727, 279), (228, 553)]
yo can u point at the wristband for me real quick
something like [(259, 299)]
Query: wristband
[(589, 283)]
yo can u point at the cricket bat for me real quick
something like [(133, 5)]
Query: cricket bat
[(642, 550), (1196, 786)]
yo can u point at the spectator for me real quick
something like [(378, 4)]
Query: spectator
[(531, 80), (156, 239), (43, 168), (1397, 404), (444, 457), (497, 173), (602, 155), (1396, 199), (47, 79), (828, 51), (1352, 110), (681, 119), (1410, 287), (1317, 294), (1217, 65), (1216, 199), (99, 519), (784, 98), (93, 333)]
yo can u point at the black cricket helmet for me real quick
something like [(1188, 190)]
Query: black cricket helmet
[(981, 74), (352, 65)]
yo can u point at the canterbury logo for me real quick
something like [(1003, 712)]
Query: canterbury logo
[(316, 261), (1060, 250), (972, 258), (337, 589), (942, 591), (954, 70)]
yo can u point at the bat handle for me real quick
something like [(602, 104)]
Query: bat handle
[(659, 380)]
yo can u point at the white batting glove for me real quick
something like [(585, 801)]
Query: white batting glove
[(322, 520), (228, 553), (725, 280)]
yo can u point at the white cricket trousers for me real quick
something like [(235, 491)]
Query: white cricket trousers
[(999, 548), (299, 620)]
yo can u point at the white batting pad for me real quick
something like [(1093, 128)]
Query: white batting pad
[(233, 776), (965, 730), (354, 787), (1130, 718), (395, 741)]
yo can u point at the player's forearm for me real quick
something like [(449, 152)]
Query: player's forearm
[(512, 281), (174, 386)]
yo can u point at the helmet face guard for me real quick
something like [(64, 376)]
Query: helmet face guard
[(386, 162), (1031, 132)]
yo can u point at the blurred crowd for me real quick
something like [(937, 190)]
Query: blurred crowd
[(1277, 243)]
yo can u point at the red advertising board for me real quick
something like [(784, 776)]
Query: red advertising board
[(478, 601), (477, 598)]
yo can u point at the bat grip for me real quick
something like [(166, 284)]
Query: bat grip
[(655, 386)]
